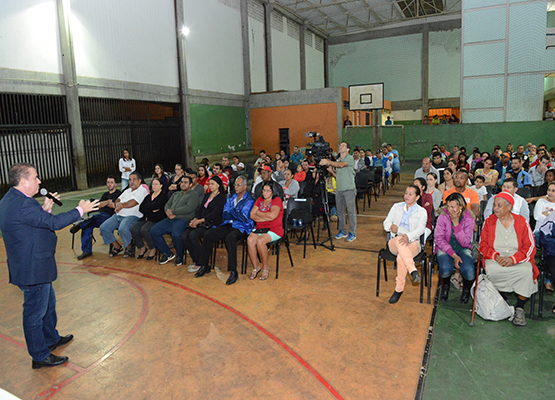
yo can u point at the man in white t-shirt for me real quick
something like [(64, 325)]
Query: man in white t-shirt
[(126, 214)]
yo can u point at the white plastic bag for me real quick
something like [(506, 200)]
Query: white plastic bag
[(489, 303)]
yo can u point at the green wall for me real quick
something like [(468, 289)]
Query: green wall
[(217, 129), (419, 139), (551, 19)]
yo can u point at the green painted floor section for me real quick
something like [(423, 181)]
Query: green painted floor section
[(492, 360)]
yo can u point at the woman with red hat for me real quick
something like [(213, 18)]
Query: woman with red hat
[(508, 247)]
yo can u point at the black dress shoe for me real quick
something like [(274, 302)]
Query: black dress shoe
[(395, 297), (83, 255), (202, 271), (63, 340), (232, 278), (50, 361)]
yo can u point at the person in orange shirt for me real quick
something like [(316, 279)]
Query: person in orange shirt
[(472, 199)]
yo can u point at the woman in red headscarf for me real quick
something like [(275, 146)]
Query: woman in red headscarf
[(508, 247)]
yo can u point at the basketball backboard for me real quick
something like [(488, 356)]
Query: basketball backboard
[(366, 97)]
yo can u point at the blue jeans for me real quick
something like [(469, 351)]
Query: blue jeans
[(39, 319), (175, 227), (122, 224), (447, 264), (124, 183), (87, 228)]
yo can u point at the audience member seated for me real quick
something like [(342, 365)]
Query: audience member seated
[(267, 213), (491, 175), (425, 169), (175, 181), (369, 159), (159, 173), (502, 167), (260, 159), (544, 206), (407, 222), (126, 214), (279, 174), (448, 183), (432, 189), (520, 174), (522, 155), (438, 162), (235, 228), (208, 216), (152, 209), (300, 175), (542, 190), (472, 199), (520, 205), (462, 162), (426, 202), (218, 171), (480, 188), (297, 156), (226, 168), (203, 176), (537, 172), (179, 209), (290, 186), (508, 248), (284, 156), (106, 210), (237, 165), (359, 161), (453, 245), (195, 186), (265, 176)]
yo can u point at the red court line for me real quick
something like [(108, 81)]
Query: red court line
[(278, 341), (49, 393)]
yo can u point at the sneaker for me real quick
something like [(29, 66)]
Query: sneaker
[(178, 261), (165, 258), (415, 276), (192, 268), (519, 319), (351, 237), (340, 235)]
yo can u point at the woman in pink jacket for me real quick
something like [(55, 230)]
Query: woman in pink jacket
[(453, 243)]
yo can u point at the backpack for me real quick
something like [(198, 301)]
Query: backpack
[(489, 303)]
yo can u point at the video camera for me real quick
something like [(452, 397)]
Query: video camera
[(319, 149)]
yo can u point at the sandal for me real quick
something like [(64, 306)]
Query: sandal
[(255, 272), (265, 274), (128, 252), (457, 284), (115, 251), (553, 310), (549, 288)]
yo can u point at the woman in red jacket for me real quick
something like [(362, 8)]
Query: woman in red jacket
[(508, 247)]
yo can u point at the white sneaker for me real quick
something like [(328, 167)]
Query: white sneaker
[(192, 268)]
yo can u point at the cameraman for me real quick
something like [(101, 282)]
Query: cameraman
[(346, 191)]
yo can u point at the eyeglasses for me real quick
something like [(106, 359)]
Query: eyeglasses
[(239, 184)]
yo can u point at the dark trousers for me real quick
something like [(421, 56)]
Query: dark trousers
[(191, 242), (87, 227), (141, 230), (231, 235), (39, 319)]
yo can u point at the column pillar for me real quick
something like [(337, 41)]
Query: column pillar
[(246, 70), (425, 68), (302, 30), (183, 85), (268, 8), (71, 92)]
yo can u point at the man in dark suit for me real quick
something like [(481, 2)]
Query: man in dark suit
[(30, 241)]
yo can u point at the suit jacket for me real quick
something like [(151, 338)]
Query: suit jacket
[(29, 238)]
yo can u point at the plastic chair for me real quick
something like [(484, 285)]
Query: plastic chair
[(421, 258), (363, 188), (300, 204)]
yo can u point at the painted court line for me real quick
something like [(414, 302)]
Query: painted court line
[(280, 343)]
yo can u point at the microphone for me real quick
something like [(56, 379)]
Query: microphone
[(44, 192)]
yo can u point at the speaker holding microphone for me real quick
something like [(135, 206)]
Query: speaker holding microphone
[(45, 193)]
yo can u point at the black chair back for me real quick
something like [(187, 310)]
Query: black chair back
[(523, 192)]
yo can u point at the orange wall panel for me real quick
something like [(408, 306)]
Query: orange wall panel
[(266, 123)]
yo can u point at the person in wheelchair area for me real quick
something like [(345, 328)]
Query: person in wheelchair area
[(406, 221), (508, 248), (453, 244)]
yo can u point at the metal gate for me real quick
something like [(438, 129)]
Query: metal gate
[(34, 129)]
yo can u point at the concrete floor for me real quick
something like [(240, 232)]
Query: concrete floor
[(146, 331)]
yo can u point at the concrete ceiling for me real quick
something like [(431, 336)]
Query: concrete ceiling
[(340, 17)]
